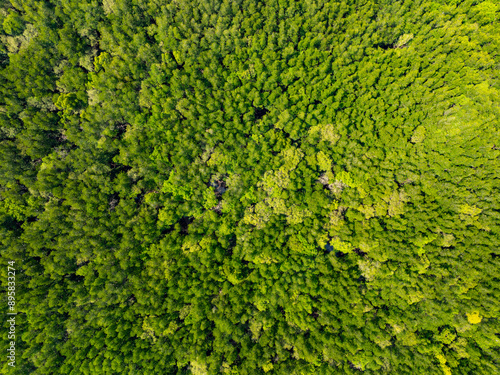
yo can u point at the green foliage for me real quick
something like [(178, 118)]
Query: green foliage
[(248, 187), (13, 24)]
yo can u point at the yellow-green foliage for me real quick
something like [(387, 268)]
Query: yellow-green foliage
[(418, 135), (210, 199), (342, 246), (324, 132), (474, 317), (403, 40), (465, 209), (324, 162)]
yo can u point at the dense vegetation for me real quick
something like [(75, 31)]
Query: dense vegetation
[(241, 187)]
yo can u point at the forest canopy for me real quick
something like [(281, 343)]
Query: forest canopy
[(246, 187)]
